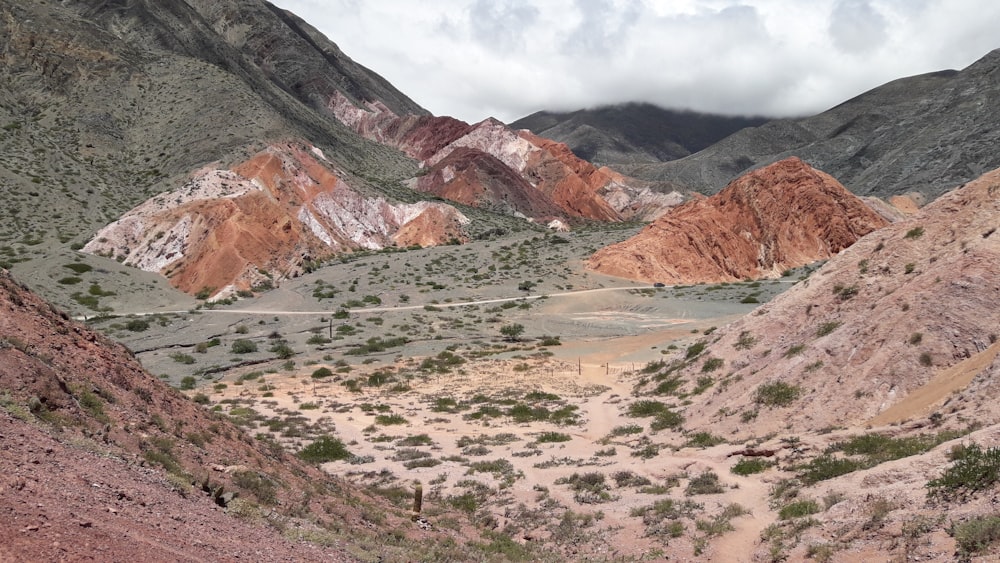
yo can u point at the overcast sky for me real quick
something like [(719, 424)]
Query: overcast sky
[(508, 58)]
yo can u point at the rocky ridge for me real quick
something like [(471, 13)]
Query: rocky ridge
[(264, 220), (544, 180), (779, 217), (634, 132)]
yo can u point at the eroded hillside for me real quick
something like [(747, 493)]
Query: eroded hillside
[(779, 217)]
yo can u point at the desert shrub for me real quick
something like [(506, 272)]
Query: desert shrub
[(187, 382), (137, 325), (749, 466), (282, 350), (777, 394), (243, 346), (827, 327), (626, 429), (976, 535), (646, 407), (794, 350), (916, 338), (320, 373), (628, 479), (976, 470), (915, 233), (261, 486), (705, 484), (666, 419), (694, 350), (711, 364), (704, 440), (323, 449), (182, 358), (389, 419), (745, 341), (826, 467), (549, 437), (926, 359), (798, 509)]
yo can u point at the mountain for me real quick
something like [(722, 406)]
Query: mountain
[(266, 219), (923, 134), (782, 216), (120, 109), (877, 334), (101, 459), (633, 133), (504, 170)]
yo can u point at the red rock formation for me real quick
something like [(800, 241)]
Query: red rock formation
[(782, 216), (463, 164), (228, 230)]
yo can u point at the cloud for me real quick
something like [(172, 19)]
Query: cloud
[(509, 58), (856, 27), (500, 25)]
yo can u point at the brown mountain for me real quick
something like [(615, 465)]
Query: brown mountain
[(102, 460), (779, 217)]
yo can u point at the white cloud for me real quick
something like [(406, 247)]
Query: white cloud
[(509, 58)]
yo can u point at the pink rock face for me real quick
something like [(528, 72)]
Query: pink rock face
[(884, 319), (783, 216), (566, 187), (226, 228)]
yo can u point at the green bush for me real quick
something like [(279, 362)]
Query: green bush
[(187, 382), (976, 535), (705, 484), (325, 448), (137, 325), (549, 437), (798, 509), (322, 372), (976, 470), (694, 349), (646, 407), (243, 346), (777, 394), (915, 233), (711, 364), (827, 327), (749, 466)]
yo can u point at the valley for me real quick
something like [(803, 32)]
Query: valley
[(258, 304)]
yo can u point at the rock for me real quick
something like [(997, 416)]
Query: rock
[(783, 216)]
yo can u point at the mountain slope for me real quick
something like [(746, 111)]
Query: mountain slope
[(922, 134), (633, 133), (779, 217), (101, 459), (867, 330), (104, 105)]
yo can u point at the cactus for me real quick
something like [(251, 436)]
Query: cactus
[(418, 498)]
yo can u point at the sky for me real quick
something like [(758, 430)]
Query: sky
[(473, 59)]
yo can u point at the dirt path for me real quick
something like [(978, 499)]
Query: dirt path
[(947, 381)]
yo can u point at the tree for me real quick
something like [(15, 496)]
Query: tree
[(512, 332)]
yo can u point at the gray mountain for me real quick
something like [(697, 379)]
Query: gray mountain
[(925, 134), (634, 132)]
